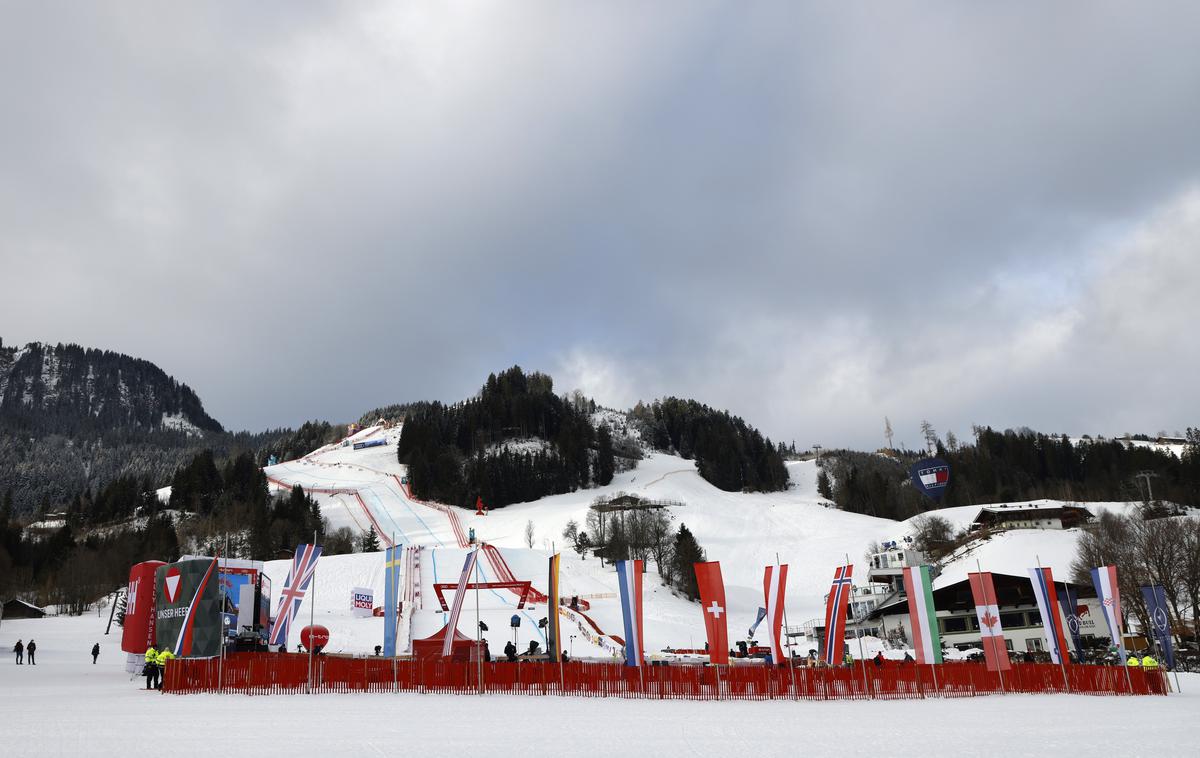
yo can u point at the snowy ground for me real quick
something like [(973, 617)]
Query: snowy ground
[(67, 706)]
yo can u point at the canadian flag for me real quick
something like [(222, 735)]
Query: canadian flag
[(991, 633), (712, 602)]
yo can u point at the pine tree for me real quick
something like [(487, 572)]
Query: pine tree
[(687, 553), (369, 542), (823, 487), (605, 463)]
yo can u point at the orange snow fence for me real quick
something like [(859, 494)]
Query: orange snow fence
[(278, 673)]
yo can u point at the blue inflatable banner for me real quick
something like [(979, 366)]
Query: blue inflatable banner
[(930, 476)]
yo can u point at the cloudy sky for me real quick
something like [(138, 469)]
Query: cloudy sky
[(814, 216)]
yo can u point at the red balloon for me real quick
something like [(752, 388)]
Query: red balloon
[(317, 635)]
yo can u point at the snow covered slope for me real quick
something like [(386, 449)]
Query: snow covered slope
[(744, 531)]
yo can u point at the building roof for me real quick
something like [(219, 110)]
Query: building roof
[(16, 608)]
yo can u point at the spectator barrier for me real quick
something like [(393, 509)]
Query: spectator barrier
[(278, 673)]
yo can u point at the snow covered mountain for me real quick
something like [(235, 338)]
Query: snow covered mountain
[(67, 389)]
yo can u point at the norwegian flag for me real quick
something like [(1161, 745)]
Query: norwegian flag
[(835, 614), (991, 633), (304, 565)]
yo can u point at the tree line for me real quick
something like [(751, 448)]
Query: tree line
[(729, 453), (1146, 550), (457, 453), (1013, 466)]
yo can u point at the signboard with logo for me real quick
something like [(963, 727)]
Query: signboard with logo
[(362, 602), (137, 631), (930, 476), (188, 608)]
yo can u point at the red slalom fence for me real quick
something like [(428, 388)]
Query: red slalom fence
[(280, 673)]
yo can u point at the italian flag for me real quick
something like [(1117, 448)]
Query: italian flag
[(927, 642)]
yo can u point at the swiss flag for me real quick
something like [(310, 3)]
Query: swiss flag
[(172, 584), (716, 618)]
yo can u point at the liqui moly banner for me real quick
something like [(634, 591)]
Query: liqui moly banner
[(362, 602), (137, 633)]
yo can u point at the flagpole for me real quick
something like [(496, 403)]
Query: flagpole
[(858, 633), (478, 631), (221, 664), (312, 614), (791, 668)]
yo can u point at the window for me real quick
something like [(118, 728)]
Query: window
[(1034, 644), (953, 625), (1012, 620)]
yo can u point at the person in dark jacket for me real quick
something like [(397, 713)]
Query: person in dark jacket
[(487, 653), (95, 653), (879, 660), (31, 648), (19, 649), (510, 652)]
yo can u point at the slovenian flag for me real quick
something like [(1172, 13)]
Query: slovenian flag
[(1047, 603), (927, 640), (629, 580)]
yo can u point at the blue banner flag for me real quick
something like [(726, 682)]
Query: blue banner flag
[(1160, 620), (762, 614), (1069, 600), (393, 559)]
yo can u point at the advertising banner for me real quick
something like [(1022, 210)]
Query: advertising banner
[(137, 631), (362, 602), (188, 608)]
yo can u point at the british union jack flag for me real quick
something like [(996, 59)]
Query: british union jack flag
[(304, 565)]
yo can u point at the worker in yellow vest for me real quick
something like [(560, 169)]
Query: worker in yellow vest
[(1148, 662), (150, 670), (163, 656), (1133, 661)]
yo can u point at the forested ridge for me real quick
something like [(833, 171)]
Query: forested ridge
[(1014, 466), (456, 453)]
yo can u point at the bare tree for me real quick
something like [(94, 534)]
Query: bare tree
[(529, 534), (932, 535)]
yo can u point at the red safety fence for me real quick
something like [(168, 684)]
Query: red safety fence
[(272, 673)]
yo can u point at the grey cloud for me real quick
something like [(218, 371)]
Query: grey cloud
[(813, 216)]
